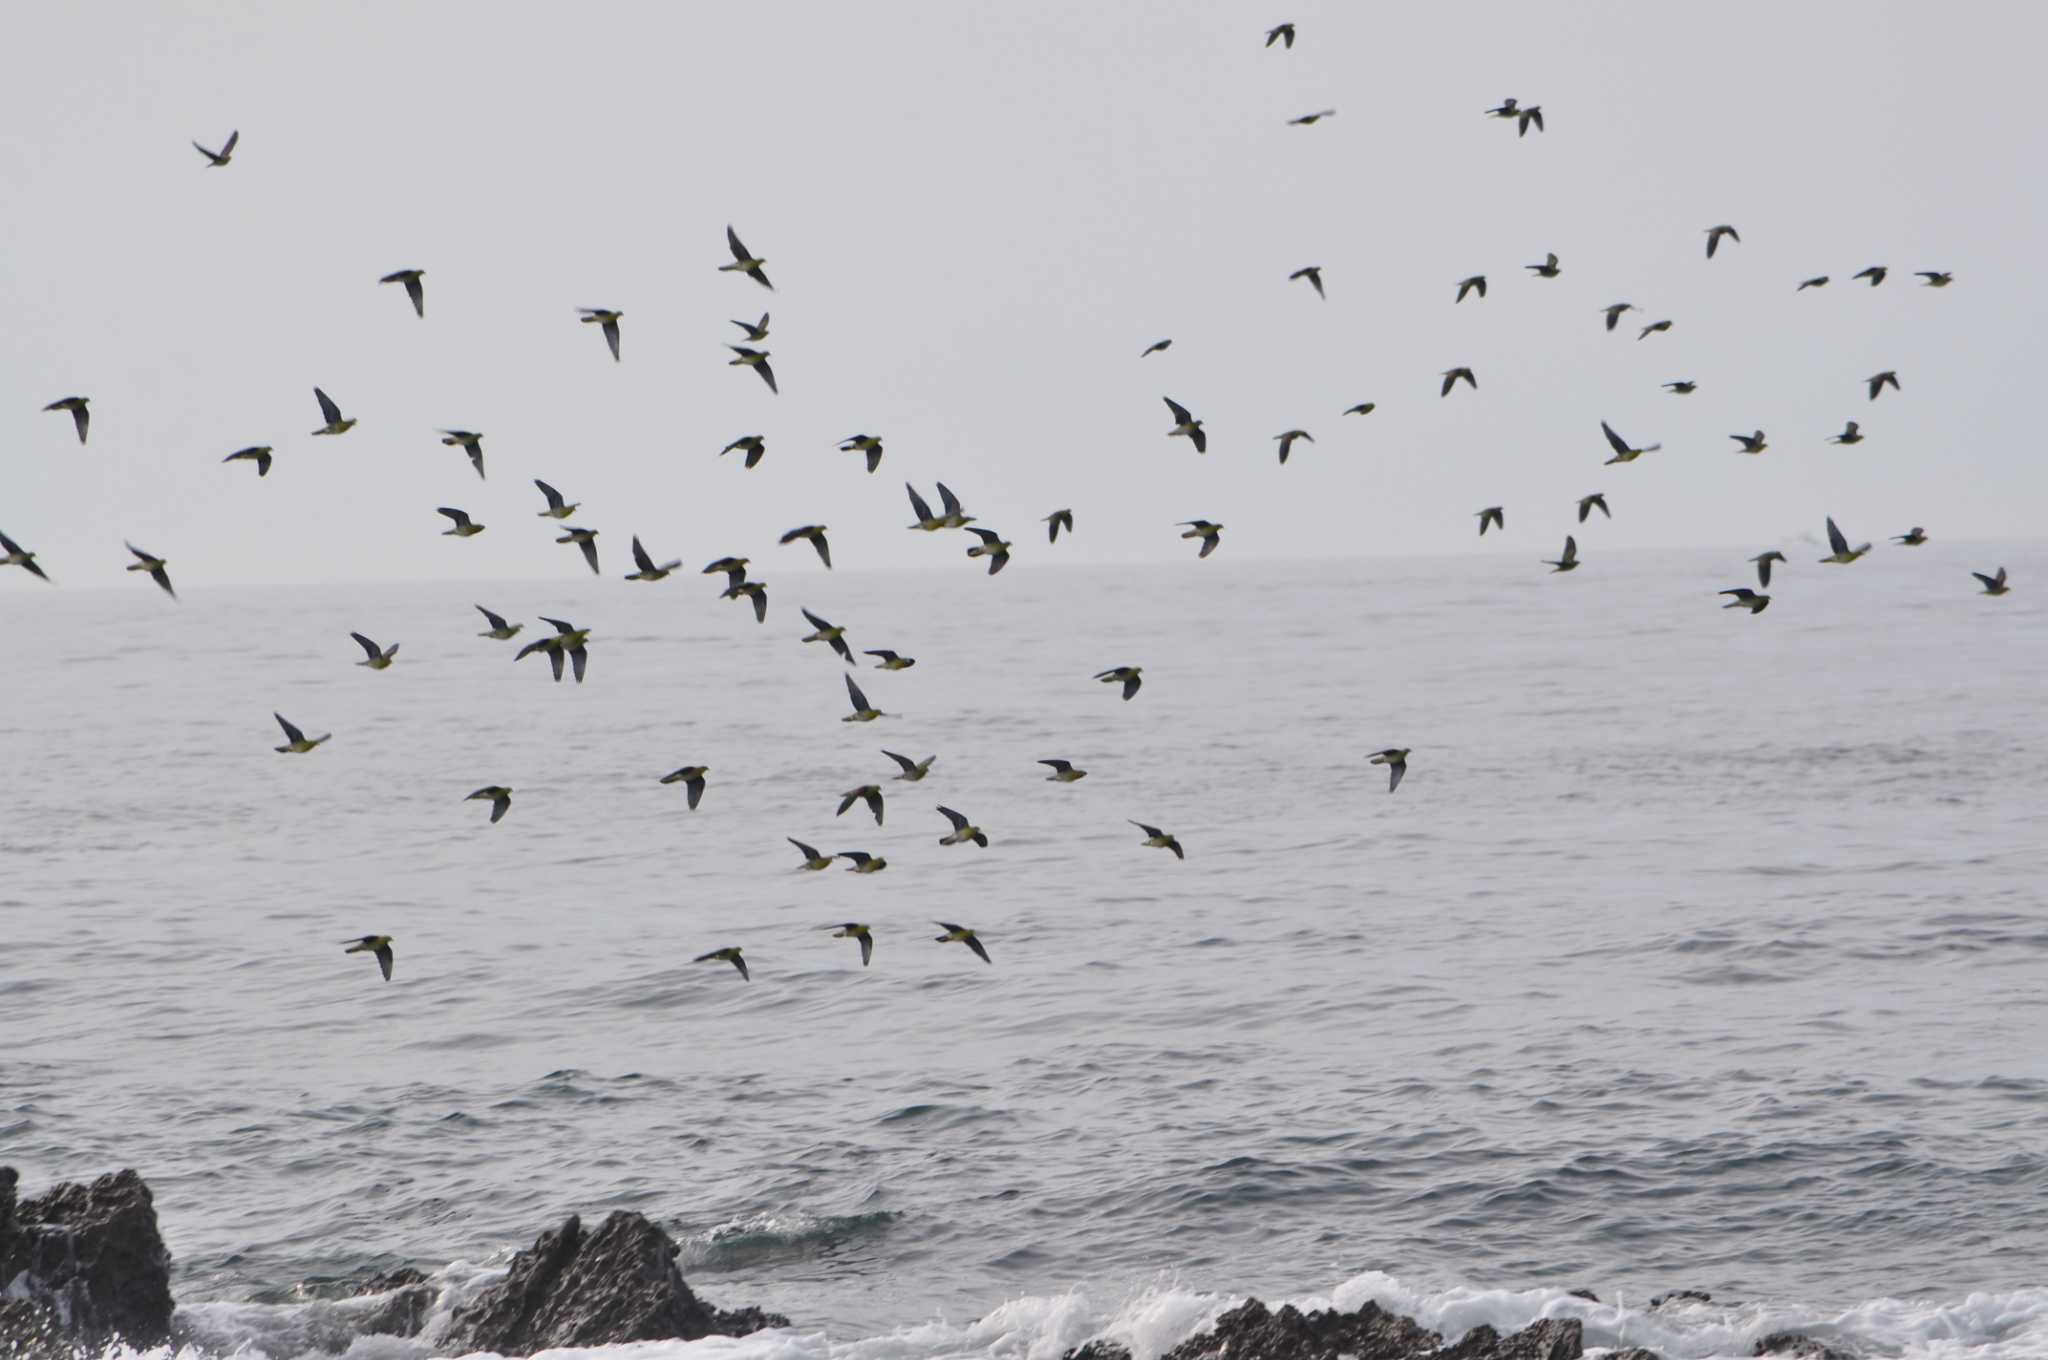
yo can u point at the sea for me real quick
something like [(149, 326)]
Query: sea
[(1697, 950)]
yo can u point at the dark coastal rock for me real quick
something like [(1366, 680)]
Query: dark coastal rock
[(1682, 1296), (1099, 1349), (1550, 1339), (404, 1309), (1251, 1331), (572, 1288), (83, 1264), (1798, 1346), (1634, 1353)]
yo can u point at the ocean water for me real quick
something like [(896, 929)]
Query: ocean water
[(1696, 951)]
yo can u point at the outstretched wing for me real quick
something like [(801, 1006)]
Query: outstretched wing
[(291, 733), (1614, 441), (960, 823), (1180, 412), (917, 505), (1835, 538), (860, 701), (327, 406)]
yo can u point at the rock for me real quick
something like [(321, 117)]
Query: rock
[(1550, 1339), (1634, 1353), (1682, 1296), (1251, 1331), (84, 1263), (1798, 1346), (404, 1309), (572, 1288), (1099, 1349)]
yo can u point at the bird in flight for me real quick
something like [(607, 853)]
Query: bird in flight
[(757, 591), (1817, 281), (1209, 532), (1548, 269), (1613, 313), (863, 711), (1588, 504), (586, 539), (963, 830), (1912, 538), (1763, 562), (331, 414), (645, 568), (1314, 274), (993, 546), (735, 569), (1281, 33), (1684, 387), (744, 262), (414, 289), (753, 445), (377, 946), (607, 320), (1064, 519), (80, 417), (471, 443), (1569, 560), (1745, 598), (1993, 585), (757, 359), (1364, 408), (926, 520), (155, 566), (1492, 515), (568, 641), (375, 657), (913, 770), (1156, 347), (964, 936), (297, 743), (216, 159), (815, 533), (1850, 434), (756, 331), (1878, 381), (1655, 327), (730, 954), (1475, 284), (497, 795), (829, 633), (869, 444), (1186, 426), (465, 527), (1127, 676), (854, 930), (1623, 452), (1936, 278), (1839, 544), (1714, 235), (813, 861), (861, 862), (1063, 772), (1159, 840), (259, 454), (1395, 758), (1311, 119), (1451, 376), (889, 661), (499, 629), (18, 556), (1875, 274), (557, 507), (691, 777), (1751, 443), (871, 794), (1287, 440)]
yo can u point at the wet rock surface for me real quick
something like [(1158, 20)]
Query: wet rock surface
[(1252, 1331), (82, 1265)]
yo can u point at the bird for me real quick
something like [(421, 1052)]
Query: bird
[(607, 320), (1395, 758), (1842, 552), (753, 445), (1714, 235), (1912, 538), (216, 159), (1508, 108), (465, 527), (1209, 532), (1494, 516), (1548, 269), (1850, 434), (1451, 376), (1993, 585), (816, 534), (1364, 408), (964, 936), (744, 262), (691, 777), (1877, 382), (1817, 281), (1875, 274), (1287, 438), (1159, 840), (1314, 274), (414, 289), (871, 794), (375, 657), (378, 946), (963, 830), (757, 359), (854, 930), (80, 417), (18, 556), (735, 569), (155, 566), (951, 514), (471, 443), (1156, 347), (568, 641), (1063, 772), (926, 520), (1311, 119), (889, 661), (1128, 676), (1652, 329), (730, 954), (863, 711), (869, 444), (296, 743), (1569, 559), (497, 795), (1588, 504), (1281, 33), (499, 629), (557, 507), (813, 861), (757, 591), (1623, 453), (1684, 387), (913, 770), (1936, 278), (1187, 426), (1763, 562), (829, 633), (1476, 283), (1613, 313), (756, 331), (586, 539), (259, 454), (1745, 598), (1532, 113), (646, 568), (863, 862), (1751, 443), (331, 413), (1064, 519), (993, 546)]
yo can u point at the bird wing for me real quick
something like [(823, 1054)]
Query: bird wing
[(988, 536), (640, 557), (959, 823), (372, 649), (555, 501), (695, 789), (1180, 412), (589, 545), (824, 548), (867, 948), (1989, 581), (611, 337), (860, 701), (1835, 538), (767, 376), (1057, 764), (327, 406), (227, 148), (461, 518), (917, 505), (905, 761), (1395, 771), (383, 953), (579, 658), (732, 241), (1614, 441), (291, 733), (809, 851), (1148, 830), (974, 942), (948, 500), (1571, 548)]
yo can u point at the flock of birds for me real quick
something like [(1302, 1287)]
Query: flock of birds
[(567, 648)]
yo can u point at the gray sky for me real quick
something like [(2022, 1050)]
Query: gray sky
[(976, 217)]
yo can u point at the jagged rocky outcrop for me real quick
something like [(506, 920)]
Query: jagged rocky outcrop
[(406, 1298), (82, 1265), (1798, 1346), (616, 1283), (1252, 1331)]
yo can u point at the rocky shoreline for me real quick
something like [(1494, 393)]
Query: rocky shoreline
[(84, 1266)]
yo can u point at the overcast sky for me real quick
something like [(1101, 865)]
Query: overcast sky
[(976, 216)]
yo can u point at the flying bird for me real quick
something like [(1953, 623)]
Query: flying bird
[(1311, 119), (744, 262), (1613, 313), (963, 830), (993, 546), (951, 514), (753, 445), (586, 539), (757, 359), (471, 443), (1287, 439), (18, 556), (1127, 676), (1912, 538), (1451, 376), (863, 711), (497, 795), (1474, 284), (863, 862), (1364, 408), (1548, 269), (1281, 33), (964, 936), (645, 567), (1652, 329), (1878, 381), (1993, 585), (414, 289), (869, 444), (1210, 533), (1507, 108), (1494, 516), (889, 660), (155, 566), (378, 946), (1159, 840), (1063, 772), (296, 742), (1850, 434), (1531, 114), (1596, 501), (1569, 560), (216, 159), (735, 569), (1064, 519), (375, 657), (757, 591), (926, 520), (607, 320), (1751, 443), (1714, 235), (1156, 347), (259, 454), (913, 770), (691, 777), (331, 414), (730, 954), (1817, 281), (830, 633), (1684, 387), (557, 507), (871, 794), (1875, 274), (816, 534), (1314, 274), (499, 629), (813, 861), (465, 527), (568, 641), (756, 331), (1395, 758), (1936, 278), (1841, 551), (854, 930), (1623, 452), (1745, 598), (1186, 426), (1763, 562), (80, 417)]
